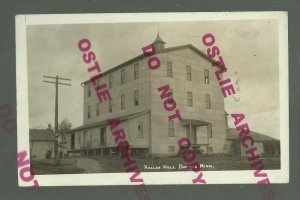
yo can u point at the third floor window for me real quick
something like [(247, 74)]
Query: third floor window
[(169, 70), (110, 105), (98, 109), (89, 90), (206, 76), (110, 81), (122, 76), (136, 70), (188, 73)]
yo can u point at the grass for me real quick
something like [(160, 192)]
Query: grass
[(40, 167)]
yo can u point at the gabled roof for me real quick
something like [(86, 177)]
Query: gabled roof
[(165, 50), (41, 135), (104, 122), (232, 134)]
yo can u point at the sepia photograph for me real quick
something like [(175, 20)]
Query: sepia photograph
[(163, 96)]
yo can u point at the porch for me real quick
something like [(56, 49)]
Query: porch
[(198, 132)]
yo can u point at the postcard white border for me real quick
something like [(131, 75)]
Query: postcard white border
[(151, 178)]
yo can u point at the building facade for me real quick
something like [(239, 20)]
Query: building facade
[(136, 101), (42, 143)]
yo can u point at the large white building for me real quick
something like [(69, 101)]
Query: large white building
[(136, 101)]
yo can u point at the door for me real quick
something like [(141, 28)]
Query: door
[(201, 135), (72, 141), (83, 139), (103, 136), (191, 133)]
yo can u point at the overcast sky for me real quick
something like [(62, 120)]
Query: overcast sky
[(249, 48)]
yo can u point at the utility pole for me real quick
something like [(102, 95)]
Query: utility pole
[(57, 81)]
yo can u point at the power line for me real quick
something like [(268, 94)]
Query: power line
[(63, 81)]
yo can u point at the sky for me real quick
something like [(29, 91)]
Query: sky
[(249, 48)]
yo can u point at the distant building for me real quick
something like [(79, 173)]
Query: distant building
[(266, 146), (41, 143)]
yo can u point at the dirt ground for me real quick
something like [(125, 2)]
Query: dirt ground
[(106, 164)]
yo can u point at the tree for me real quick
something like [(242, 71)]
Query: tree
[(64, 126)]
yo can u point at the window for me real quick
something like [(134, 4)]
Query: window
[(189, 99), (98, 82), (110, 81), (207, 101), (98, 109), (91, 141), (171, 149), (89, 90), (122, 76), (169, 70), (209, 130), (170, 97), (122, 102), (206, 76), (136, 97), (140, 129), (171, 128), (89, 112), (136, 70), (172, 93), (210, 149), (79, 138), (110, 105), (188, 73)]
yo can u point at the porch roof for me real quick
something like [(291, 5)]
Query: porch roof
[(193, 122), (104, 122)]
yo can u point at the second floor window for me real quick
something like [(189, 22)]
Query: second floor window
[(98, 109), (171, 96), (136, 70), (206, 76), (122, 102), (207, 101), (209, 130), (188, 73), (169, 70), (110, 81), (89, 90), (136, 97), (110, 105), (171, 128), (122, 76), (189, 99), (89, 112)]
